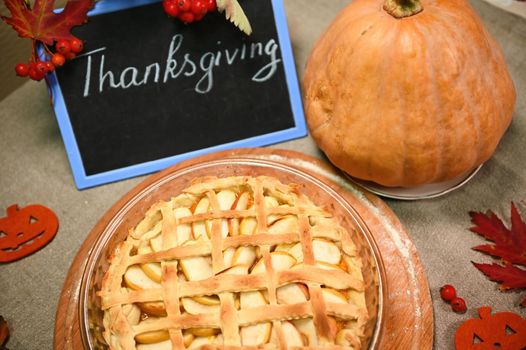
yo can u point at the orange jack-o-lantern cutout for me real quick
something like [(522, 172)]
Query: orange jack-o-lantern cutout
[(26, 230), (503, 331)]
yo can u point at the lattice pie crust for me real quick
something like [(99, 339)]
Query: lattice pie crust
[(239, 262)]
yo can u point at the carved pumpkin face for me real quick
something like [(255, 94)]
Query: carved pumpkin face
[(26, 230), (504, 331)]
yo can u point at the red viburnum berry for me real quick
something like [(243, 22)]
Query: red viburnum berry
[(41, 67), (63, 47), (189, 11), (35, 74), (76, 45), (50, 67), (199, 8), (187, 17), (211, 5), (171, 8), (71, 55), (22, 70), (458, 305), (448, 292), (184, 5), (58, 60)]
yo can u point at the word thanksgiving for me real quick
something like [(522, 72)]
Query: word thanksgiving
[(180, 64)]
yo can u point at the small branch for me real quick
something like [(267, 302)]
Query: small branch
[(34, 51)]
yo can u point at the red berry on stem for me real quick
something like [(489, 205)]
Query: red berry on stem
[(58, 60), (35, 74), (41, 67), (50, 67), (184, 5), (22, 70), (77, 45), (458, 305), (211, 5), (63, 46), (199, 8), (171, 8), (71, 55), (204, 8), (448, 292), (187, 17)]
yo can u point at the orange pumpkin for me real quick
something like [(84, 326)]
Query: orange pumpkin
[(504, 330), (407, 92)]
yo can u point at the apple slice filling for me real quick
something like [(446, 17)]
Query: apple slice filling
[(241, 260)]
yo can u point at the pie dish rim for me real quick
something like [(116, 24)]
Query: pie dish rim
[(97, 250)]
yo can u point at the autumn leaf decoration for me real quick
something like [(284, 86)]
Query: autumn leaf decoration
[(41, 24), (508, 244)]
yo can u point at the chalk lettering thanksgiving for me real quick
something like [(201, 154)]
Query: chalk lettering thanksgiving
[(99, 77)]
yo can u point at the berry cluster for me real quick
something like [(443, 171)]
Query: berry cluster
[(189, 11), (36, 69), (449, 294)]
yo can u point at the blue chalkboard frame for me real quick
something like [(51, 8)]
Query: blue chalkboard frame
[(83, 181)]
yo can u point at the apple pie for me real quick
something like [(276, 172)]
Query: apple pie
[(239, 262)]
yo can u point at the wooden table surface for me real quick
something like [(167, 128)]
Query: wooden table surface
[(34, 169)]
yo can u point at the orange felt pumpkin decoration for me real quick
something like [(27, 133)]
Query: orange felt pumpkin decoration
[(26, 230), (407, 92), (504, 331)]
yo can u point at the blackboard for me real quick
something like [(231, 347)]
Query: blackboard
[(149, 91)]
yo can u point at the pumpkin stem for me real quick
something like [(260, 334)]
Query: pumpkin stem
[(402, 8), (12, 210), (485, 312)]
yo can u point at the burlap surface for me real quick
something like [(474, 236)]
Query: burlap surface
[(35, 169)]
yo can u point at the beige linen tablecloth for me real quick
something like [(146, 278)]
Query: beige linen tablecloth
[(35, 169)]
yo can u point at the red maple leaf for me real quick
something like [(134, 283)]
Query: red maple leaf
[(41, 23), (508, 245)]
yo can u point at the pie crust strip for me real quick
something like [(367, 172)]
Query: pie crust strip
[(229, 319)]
